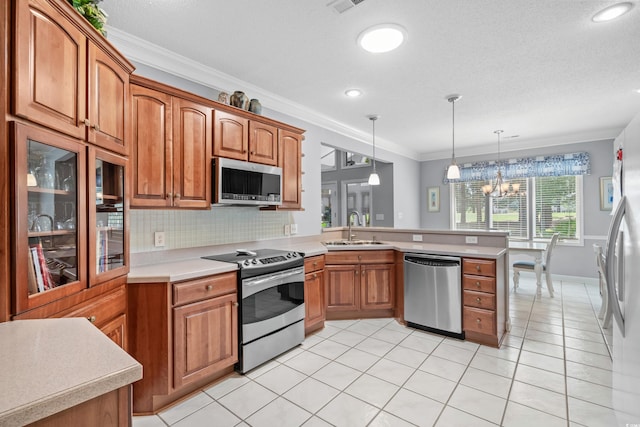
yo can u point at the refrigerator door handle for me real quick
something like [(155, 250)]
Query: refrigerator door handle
[(610, 264)]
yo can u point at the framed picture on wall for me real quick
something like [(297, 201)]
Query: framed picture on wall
[(433, 199), (606, 193)]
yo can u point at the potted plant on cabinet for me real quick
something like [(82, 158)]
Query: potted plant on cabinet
[(92, 13)]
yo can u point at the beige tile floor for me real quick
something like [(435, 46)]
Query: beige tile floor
[(553, 369)]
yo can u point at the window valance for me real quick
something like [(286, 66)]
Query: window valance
[(555, 165)]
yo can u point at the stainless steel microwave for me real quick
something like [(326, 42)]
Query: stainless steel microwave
[(244, 183)]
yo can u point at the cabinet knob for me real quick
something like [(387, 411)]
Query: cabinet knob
[(478, 284), (209, 287), (315, 263), (169, 195), (92, 319), (478, 300), (87, 122), (236, 304), (176, 196), (477, 268), (359, 258), (315, 276), (478, 321)]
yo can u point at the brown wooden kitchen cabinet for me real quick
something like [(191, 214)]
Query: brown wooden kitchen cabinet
[(360, 284), (290, 160), (67, 76), (483, 308), (240, 138), (171, 149), (314, 299), (184, 334)]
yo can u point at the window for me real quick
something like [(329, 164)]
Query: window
[(541, 207)]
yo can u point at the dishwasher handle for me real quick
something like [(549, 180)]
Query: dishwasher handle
[(432, 261)]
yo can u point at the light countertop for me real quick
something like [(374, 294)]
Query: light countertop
[(49, 365), (195, 267)]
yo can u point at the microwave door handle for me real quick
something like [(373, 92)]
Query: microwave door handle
[(610, 264)]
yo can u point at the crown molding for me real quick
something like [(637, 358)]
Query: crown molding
[(526, 144), (139, 50)]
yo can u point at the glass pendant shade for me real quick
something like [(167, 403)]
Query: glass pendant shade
[(453, 172), (374, 179)]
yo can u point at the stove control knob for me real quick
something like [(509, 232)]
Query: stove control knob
[(246, 262), (289, 255), (295, 254), (254, 261)]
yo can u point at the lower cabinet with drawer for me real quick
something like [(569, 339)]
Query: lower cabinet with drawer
[(360, 284), (314, 299), (483, 312), (184, 334)]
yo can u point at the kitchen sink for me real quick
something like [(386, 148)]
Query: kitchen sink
[(352, 242)]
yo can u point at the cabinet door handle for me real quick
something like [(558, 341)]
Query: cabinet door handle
[(176, 196), (169, 195), (315, 276), (92, 319), (478, 284), (87, 123), (96, 128), (478, 321), (209, 287), (236, 304), (478, 300), (315, 263), (477, 268)]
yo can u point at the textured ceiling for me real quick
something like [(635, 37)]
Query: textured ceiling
[(538, 69)]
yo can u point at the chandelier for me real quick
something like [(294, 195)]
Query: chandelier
[(500, 188)]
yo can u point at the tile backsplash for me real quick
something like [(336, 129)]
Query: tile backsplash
[(192, 228)]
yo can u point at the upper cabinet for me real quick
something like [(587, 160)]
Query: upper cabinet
[(67, 77), (290, 160), (171, 150), (239, 138)]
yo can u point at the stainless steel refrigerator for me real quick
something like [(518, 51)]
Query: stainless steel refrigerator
[(623, 276)]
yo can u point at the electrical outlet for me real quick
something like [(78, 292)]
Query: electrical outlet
[(379, 217), (158, 239), (287, 230), (471, 240), (294, 229), (417, 237)]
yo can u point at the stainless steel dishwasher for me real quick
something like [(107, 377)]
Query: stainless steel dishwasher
[(433, 293)]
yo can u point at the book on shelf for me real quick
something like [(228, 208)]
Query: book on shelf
[(102, 249), (31, 274), (43, 276)]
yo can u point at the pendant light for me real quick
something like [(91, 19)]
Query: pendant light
[(500, 188), (453, 172), (374, 179)]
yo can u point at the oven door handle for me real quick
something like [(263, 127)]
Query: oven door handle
[(253, 286)]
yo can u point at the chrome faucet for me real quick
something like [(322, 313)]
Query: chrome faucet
[(357, 214)]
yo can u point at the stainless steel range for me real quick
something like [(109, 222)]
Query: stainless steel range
[(271, 291)]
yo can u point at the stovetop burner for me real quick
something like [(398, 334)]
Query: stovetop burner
[(260, 261)]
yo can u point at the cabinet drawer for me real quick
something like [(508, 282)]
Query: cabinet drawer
[(102, 309), (359, 257), (314, 263), (208, 287), (479, 300), (479, 283), (481, 267), (479, 320)]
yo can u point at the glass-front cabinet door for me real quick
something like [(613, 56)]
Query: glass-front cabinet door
[(108, 230), (50, 218)]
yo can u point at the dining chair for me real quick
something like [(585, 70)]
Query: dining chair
[(605, 310), (520, 266)]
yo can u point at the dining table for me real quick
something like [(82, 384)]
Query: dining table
[(532, 249)]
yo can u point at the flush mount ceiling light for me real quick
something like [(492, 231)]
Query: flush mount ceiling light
[(374, 178), (612, 12), (382, 38), (353, 93), (453, 172)]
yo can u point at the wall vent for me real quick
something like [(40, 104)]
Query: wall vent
[(341, 6)]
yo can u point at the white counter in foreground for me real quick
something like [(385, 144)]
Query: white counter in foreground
[(50, 365)]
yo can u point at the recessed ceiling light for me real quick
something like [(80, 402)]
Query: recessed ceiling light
[(612, 12), (353, 93), (382, 38)]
